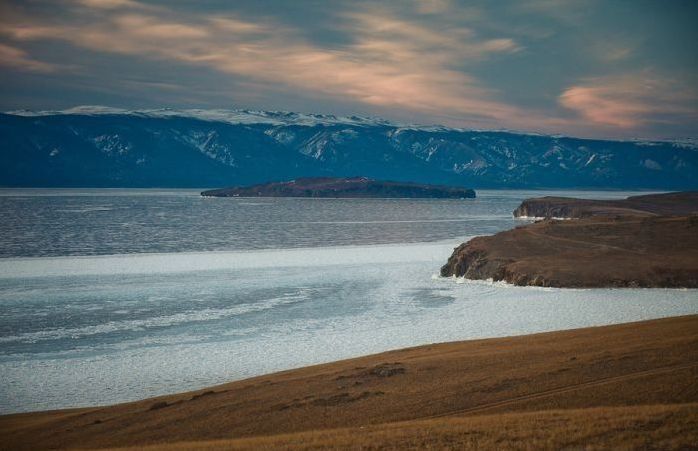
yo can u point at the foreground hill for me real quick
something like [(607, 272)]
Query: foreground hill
[(622, 386), (353, 187), (641, 241), (193, 148)]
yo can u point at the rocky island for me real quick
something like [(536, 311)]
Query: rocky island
[(353, 187), (641, 241)]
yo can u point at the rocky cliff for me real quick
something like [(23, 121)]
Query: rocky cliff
[(643, 241), (673, 204)]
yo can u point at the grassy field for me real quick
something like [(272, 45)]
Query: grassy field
[(625, 386), (641, 427)]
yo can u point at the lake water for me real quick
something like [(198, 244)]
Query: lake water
[(116, 295)]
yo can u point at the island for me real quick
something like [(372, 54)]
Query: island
[(642, 241), (352, 187)]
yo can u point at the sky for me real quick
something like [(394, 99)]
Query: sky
[(611, 69)]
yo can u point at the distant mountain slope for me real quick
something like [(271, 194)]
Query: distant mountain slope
[(95, 146)]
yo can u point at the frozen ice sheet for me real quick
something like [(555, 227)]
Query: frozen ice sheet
[(81, 331)]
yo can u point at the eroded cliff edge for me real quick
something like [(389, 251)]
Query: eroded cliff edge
[(667, 204), (650, 241)]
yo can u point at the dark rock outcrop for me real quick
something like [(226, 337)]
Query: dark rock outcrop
[(639, 242), (672, 204), (354, 187)]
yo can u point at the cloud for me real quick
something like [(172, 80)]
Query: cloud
[(391, 62), (145, 27), (500, 45), (420, 61), (433, 6), (450, 44), (19, 59), (110, 4), (630, 101)]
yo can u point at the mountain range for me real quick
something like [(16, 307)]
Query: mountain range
[(107, 147)]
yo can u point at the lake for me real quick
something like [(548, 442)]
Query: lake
[(110, 295)]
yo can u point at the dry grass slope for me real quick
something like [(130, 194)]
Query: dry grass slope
[(624, 386), (642, 427)]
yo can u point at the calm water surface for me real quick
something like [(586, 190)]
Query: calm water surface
[(41, 223)]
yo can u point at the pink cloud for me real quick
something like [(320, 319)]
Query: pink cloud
[(110, 4), (629, 101), (391, 63)]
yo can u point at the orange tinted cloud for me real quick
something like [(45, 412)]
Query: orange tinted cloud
[(391, 62), (403, 65), (110, 4), (629, 101)]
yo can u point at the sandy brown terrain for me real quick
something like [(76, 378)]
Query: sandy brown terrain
[(625, 386), (599, 251)]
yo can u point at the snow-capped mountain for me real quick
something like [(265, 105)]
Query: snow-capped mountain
[(98, 146), (235, 117)]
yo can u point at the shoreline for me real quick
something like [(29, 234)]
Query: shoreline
[(508, 375), (503, 283)]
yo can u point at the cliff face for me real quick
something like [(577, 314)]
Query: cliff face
[(673, 204), (628, 251), (472, 261), (355, 187), (552, 207)]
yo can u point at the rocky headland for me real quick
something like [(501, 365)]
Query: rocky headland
[(642, 241), (353, 187), (673, 204)]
